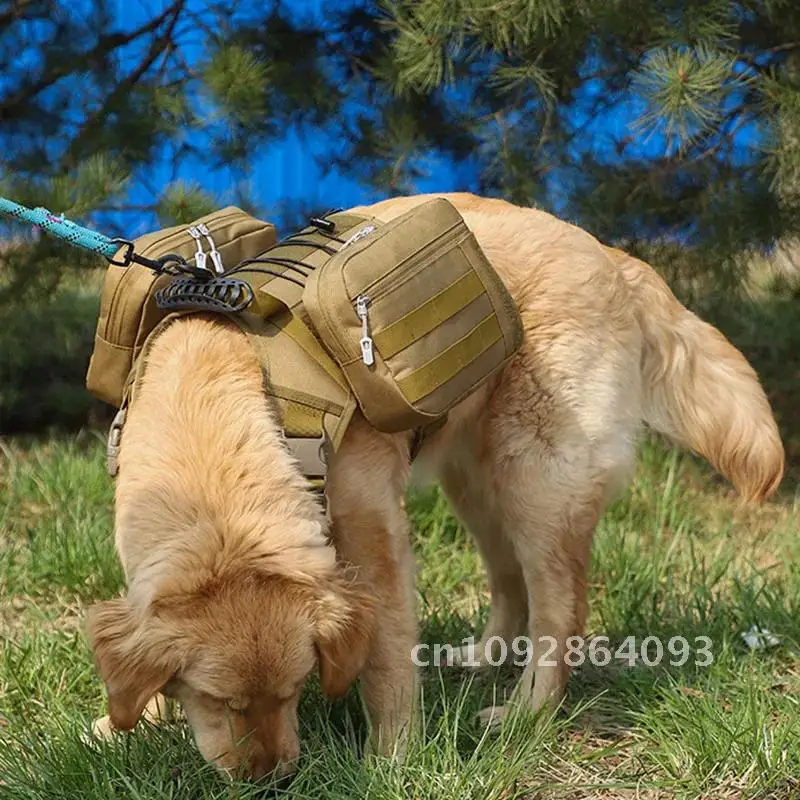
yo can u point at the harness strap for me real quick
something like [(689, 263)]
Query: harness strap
[(313, 398), (300, 333), (114, 440)]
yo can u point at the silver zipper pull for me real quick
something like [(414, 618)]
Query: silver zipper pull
[(216, 256), (200, 255), (365, 231), (367, 349)]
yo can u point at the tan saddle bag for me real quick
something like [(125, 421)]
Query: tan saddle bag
[(405, 317), (414, 314), (128, 310)]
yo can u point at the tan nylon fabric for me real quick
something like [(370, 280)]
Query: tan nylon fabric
[(128, 312), (287, 292), (422, 320), (312, 402), (310, 390), (446, 365)]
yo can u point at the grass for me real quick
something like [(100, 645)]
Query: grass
[(676, 555)]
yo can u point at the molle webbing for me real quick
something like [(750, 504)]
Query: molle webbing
[(281, 272), (310, 390)]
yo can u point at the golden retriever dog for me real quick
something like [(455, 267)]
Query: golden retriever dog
[(239, 586)]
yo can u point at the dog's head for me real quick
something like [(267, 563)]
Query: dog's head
[(236, 654)]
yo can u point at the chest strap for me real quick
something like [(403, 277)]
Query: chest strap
[(309, 392)]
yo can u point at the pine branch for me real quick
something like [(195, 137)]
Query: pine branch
[(16, 105), (16, 12), (158, 46)]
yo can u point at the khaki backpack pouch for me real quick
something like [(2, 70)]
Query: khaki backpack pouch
[(439, 317), (128, 311)]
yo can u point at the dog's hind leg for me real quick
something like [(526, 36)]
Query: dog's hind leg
[(553, 461), (550, 502), (467, 491), (553, 536)]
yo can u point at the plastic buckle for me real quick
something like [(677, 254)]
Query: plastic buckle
[(311, 455), (114, 441), (327, 225), (127, 256)]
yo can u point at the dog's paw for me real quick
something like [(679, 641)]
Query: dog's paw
[(491, 717), (392, 745), (396, 752), (469, 656), (102, 728), (162, 709)]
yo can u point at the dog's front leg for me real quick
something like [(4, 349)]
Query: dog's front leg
[(158, 709), (366, 487), (381, 551), (389, 677)]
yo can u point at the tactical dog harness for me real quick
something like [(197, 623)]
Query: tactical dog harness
[(263, 296), (400, 319)]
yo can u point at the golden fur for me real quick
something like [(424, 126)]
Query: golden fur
[(234, 589)]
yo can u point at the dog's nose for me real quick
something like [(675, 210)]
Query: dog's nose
[(286, 769), (262, 766)]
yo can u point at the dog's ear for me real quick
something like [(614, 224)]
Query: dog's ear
[(345, 622), (131, 664)]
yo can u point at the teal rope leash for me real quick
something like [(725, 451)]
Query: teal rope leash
[(79, 236), (71, 233)]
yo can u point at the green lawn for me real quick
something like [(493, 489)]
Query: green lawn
[(675, 556)]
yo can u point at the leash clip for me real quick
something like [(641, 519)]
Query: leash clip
[(127, 256)]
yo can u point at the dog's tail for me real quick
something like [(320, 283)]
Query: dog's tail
[(699, 390)]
